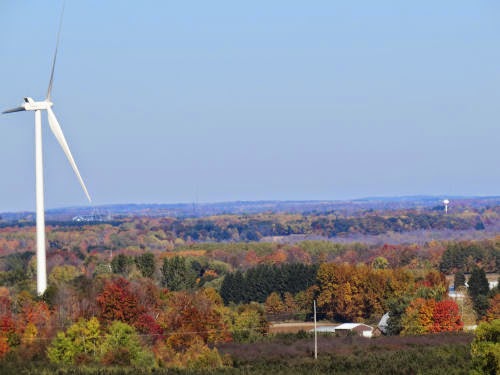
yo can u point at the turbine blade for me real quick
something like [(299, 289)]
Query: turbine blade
[(17, 109), (49, 90), (56, 129)]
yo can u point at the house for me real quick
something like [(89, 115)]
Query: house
[(359, 329)]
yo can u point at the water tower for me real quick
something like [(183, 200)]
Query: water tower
[(446, 202)]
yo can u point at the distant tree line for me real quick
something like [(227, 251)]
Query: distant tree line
[(254, 227)]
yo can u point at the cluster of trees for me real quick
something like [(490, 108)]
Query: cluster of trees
[(377, 224), (429, 310), (86, 341), (431, 316), (484, 300), (360, 292), (90, 248), (466, 255), (356, 293), (110, 320), (253, 227), (416, 299), (257, 283), (485, 348)]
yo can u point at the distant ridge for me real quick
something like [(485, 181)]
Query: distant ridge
[(425, 202)]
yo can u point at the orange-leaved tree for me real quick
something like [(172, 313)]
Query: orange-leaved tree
[(418, 317), (446, 317), (191, 315), (118, 302)]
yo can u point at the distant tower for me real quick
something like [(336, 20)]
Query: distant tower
[(446, 202)]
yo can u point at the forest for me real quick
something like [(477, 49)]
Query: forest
[(200, 294)]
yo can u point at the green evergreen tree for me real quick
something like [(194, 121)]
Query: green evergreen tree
[(478, 291), (481, 305), (120, 264), (259, 282), (146, 264), (478, 283), (227, 288), (177, 274), (397, 308), (239, 290)]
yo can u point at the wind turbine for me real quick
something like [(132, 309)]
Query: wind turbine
[(31, 105)]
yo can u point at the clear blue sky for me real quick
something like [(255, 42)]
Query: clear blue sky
[(165, 101)]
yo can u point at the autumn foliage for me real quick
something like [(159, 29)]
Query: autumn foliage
[(446, 317), (149, 292), (117, 302), (431, 316)]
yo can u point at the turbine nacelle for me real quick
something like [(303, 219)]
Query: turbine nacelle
[(30, 105)]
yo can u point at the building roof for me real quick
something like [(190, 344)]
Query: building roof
[(349, 326), (329, 329), (384, 323), (343, 326)]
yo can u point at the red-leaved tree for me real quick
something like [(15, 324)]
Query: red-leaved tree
[(118, 302), (446, 317)]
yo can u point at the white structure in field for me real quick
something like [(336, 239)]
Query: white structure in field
[(346, 329), (31, 105), (446, 202)]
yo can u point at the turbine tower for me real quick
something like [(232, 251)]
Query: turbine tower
[(31, 105)]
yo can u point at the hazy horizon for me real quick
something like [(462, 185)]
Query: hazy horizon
[(438, 199)]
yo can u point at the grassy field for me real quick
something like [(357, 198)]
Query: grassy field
[(289, 354), (285, 354)]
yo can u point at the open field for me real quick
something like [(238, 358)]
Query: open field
[(287, 346), (430, 354), (288, 355)]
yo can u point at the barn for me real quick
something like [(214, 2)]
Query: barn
[(359, 329), (347, 329)]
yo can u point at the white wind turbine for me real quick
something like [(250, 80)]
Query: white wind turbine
[(30, 105)]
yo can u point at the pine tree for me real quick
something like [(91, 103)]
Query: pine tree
[(177, 274), (459, 280), (478, 283), (146, 264), (227, 288), (239, 287), (478, 290)]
